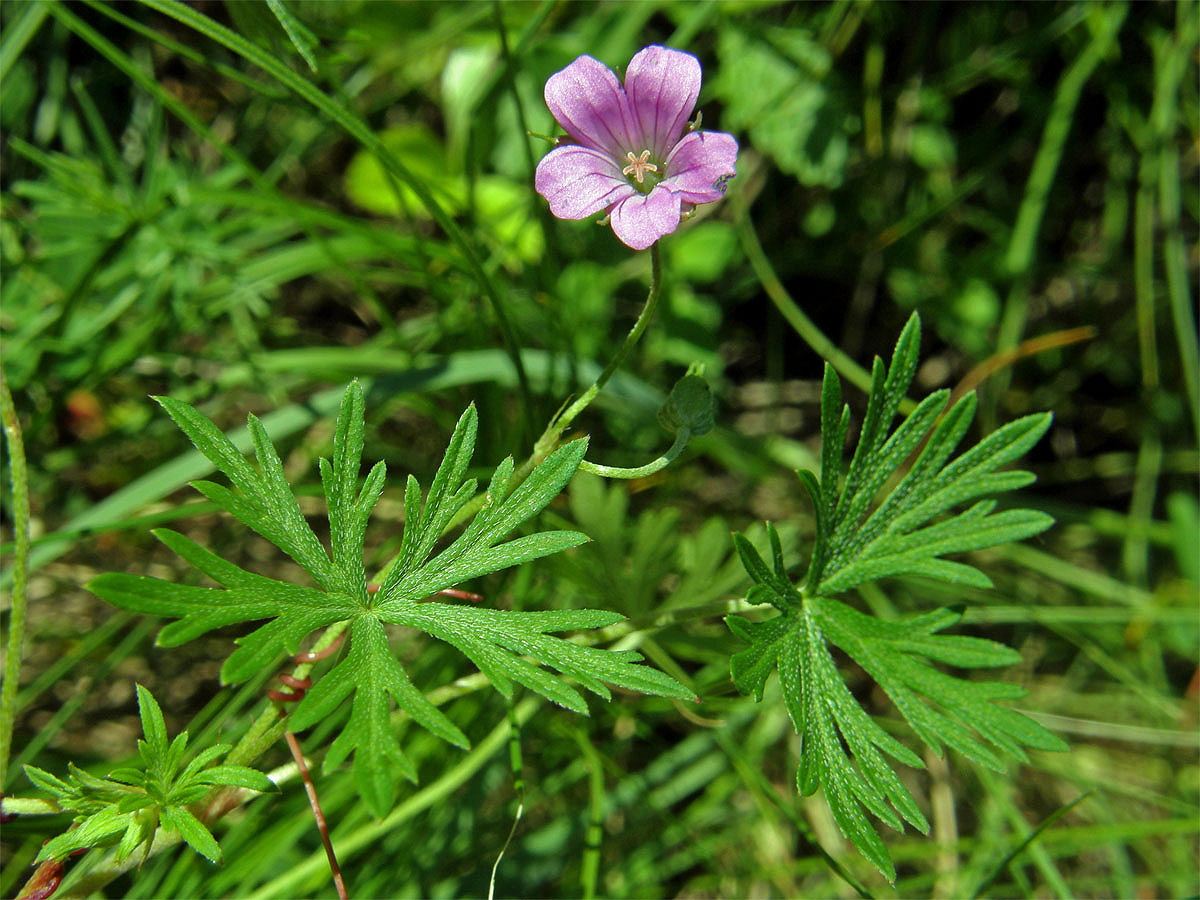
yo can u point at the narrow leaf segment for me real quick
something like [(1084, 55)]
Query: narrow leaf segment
[(509, 647), (866, 530)]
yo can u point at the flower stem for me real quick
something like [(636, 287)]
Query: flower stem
[(553, 433), (322, 827), (681, 441), (552, 436), (19, 476), (369, 834)]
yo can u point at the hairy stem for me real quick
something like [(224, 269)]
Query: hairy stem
[(16, 622), (656, 465)]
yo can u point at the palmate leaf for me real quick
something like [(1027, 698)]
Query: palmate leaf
[(497, 641), (865, 531)]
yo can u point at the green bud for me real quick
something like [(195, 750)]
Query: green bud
[(690, 406)]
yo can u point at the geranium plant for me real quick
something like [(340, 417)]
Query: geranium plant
[(902, 504)]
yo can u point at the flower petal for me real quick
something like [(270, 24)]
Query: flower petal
[(642, 219), (662, 85), (700, 164), (579, 182), (589, 103)]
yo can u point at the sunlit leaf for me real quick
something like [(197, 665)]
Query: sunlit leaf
[(877, 521), (509, 647)]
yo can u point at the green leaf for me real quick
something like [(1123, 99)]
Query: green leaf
[(835, 420), (820, 515), (854, 547), (91, 788), (298, 33), (153, 724), (201, 761), (843, 750), (132, 800), (751, 667), (422, 531), (199, 838), (372, 674), (350, 509), (294, 611), (137, 832), (264, 502), (495, 640), (501, 643), (237, 776), (89, 832), (770, 587), (50, 784)]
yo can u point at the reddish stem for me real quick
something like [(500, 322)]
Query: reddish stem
[(44, 881), (445, 592), (300, 685), (461, 594), (311, 789), (315, 655)]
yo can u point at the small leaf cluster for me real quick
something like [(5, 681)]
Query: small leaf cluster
[(886, 517), (500, 643), (133, 801)]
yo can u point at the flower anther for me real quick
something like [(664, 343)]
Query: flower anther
[(639, 166), (631, 153)]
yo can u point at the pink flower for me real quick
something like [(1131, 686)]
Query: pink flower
[(633, 156)]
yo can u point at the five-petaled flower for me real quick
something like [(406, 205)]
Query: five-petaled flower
[(634, 156)]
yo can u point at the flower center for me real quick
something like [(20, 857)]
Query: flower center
[(639, 166)]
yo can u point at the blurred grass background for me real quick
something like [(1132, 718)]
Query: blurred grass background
[(224, 223)]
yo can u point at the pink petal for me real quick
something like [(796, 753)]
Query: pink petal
[(662, 85), (699, 165), (642, 219), (579, 182), (589, 103)]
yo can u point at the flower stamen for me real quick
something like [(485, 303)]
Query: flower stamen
[(639, 166)]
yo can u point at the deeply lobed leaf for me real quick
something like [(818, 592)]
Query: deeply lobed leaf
[(842, 748), (510, 647)]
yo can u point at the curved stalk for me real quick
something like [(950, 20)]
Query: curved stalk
[(657, 465), (553, 433), (552, 436)]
